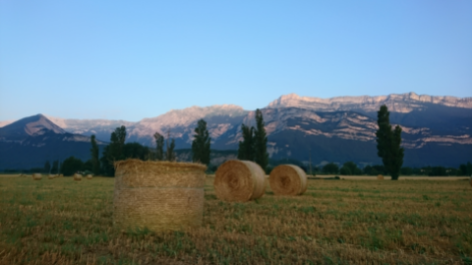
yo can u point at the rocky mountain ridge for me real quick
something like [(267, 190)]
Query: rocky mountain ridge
[(402, 103), (435, 129)]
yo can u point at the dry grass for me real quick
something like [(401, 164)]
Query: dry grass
[(334, 222)]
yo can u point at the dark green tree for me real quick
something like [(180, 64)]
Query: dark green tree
[(201, 144), (465, 169), (114, 151), (55, 167), (94, 152), (350, 168), (388, 143), (374, 170), (71, 165), (246, 147), (118, 138), (136, 150), (47, 167), (330, 168), (159, 146), (261, 156), (170, 154)]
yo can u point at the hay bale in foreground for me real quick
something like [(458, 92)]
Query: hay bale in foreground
[(380, 177), (288, 180), (77, 177), (89, 176), (239, 180), (37, 176), (159, 195)]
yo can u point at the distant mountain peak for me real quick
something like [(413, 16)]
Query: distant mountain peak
[(31, 126)]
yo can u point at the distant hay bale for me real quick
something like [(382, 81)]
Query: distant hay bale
[(288, 180), (37, 176), (52, 176), (61, 175), (380, 177), (158, 195), (239, 180), (77, 177), (89, 176)]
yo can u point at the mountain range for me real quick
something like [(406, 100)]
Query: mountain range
[(436, 130)]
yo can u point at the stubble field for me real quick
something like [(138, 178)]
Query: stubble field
[(351, 221)]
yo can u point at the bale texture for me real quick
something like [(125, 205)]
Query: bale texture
[(239, 180), (77, 177), (380, 177), (160, 196), (89, 176), (288, 180), (37, 176)]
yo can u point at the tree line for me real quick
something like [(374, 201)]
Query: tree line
[(118, 149), (350, 168)]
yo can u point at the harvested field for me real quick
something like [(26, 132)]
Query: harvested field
[(335, 222)]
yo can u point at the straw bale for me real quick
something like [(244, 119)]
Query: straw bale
[(89, 176), (77, 177), (288, 180), (37, 176), (380, 177), (158, 195), (52, 176), (239, 180)]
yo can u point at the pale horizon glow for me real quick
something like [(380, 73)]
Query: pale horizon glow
[(134, 60)]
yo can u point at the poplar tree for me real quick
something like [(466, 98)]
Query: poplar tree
[(261, 156), (201, 144), (94, 152), (159, 146), (170, 154), (388, 143), (246, 147)]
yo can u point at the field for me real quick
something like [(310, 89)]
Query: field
[(350, 221)]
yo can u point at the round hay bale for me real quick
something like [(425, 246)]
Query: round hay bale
[(288, 180), (158, 195), (89, 176), (77, 177), (380, 177), (52, 176), (239, 180), (37, 176)]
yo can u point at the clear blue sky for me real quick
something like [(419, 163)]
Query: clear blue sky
[(136, 59)]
